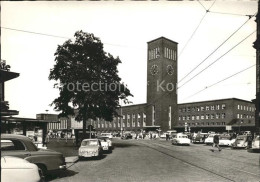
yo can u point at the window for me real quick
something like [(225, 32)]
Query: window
[(202, 108), (223, 115), (153, 116), (217, 116), (11, 145), (179, 118), (192, 117), (183, 118), (223, 123), (144, 119), (207, 116), (128, 120), (207, 108), (244, 107), (138, 119), (238, 107), (241, 116), (197, 117), (184, 109), (223, 106), (212, 108), (212, 116), (197, 109), (133, 120), (202, 117), (188, 117), (217, 107), (188, 109)]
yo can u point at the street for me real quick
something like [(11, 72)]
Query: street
[(159, 160)]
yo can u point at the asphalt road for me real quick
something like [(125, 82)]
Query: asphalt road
[(157, 160)]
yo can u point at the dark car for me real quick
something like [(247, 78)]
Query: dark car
[(127, 136), (200, 138), (23, 147)]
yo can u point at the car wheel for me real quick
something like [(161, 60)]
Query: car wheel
[(42, 172)]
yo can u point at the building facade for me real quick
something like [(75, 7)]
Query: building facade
[(216, 115)]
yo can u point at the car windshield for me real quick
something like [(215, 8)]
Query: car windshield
[(89, 142)]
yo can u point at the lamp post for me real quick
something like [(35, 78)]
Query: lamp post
[(121, 122)]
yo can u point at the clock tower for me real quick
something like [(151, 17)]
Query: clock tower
[(162, 108)]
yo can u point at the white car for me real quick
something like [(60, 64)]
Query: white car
[(109, 135), (18, 170), (256, 143), (224, 140), (90, 148), (209, 139), (109, 141), (180, 139), (104, 144)]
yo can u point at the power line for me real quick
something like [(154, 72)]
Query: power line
[(207, 10), (217, 59), (56, 36), (220, 81), (214, 50), (224, 13)]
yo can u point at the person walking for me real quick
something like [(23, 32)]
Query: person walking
[(216, 142)]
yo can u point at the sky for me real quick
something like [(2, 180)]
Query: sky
[(125, 28)]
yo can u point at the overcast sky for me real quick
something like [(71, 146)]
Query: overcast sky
[(125, 28)]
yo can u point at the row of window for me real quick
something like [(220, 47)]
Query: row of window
[(61, 125), (203, 124), (126, 122), (243, 116), (245, 108), (168, 53), (206, 116), (202, 108)]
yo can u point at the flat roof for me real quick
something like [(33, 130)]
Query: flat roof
[(7, 75), (216, 100), (18, 119)]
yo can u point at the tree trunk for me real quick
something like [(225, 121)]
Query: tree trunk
[(84, 126)]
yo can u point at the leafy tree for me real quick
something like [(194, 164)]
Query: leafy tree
[(87, 79)]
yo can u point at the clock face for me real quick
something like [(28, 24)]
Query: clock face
[(170, 69), (154, 69)]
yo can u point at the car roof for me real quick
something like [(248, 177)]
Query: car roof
[(93, 139), (13, 136)]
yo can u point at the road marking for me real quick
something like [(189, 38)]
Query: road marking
[(188, 164), (247, 172)]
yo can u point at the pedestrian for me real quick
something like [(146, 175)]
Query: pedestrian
[(216, 142), (167, 136)]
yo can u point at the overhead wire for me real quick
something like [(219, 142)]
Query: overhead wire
[(220, 81), (217, 59), (215, 50)]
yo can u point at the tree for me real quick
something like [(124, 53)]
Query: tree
[(87, 79)]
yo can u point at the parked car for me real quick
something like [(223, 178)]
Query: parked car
[(240, 142), (23, 147), (209, 139), (224, 140), (256, 142), (104, 143), (109, 141), (200, 138), (18, 170), (109, 135), (127, 136), (180, 139), (90, 148)]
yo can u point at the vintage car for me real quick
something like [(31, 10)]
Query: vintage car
[(108, 140), (180, 139), (256, 142), (21, 146), (127, 136), (18, 170), (240, 142), (90, 148), (200, 138), (109, 135), (104, 143), (224, 140), (209, 139)]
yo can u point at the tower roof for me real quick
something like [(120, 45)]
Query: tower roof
[(162, 38)]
